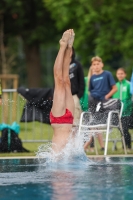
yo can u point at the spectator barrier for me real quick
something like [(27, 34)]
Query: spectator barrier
[(12, 109), (30, 132)]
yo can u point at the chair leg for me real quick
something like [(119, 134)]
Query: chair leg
[(122, 135), (106, 142), (124, 145), (107, 134)]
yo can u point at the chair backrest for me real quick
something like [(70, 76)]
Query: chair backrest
[(113, 106), (100, 115)]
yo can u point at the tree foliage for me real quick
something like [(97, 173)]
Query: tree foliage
[(30, 21), (102, 27)]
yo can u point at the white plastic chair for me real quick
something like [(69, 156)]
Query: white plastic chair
[(86, 127)]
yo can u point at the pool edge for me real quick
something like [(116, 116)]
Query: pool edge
[(89, 156)]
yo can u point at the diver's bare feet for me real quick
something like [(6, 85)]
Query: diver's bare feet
[(71, 39), (65, 37)]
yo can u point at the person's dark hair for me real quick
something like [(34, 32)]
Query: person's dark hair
[(122, 69)]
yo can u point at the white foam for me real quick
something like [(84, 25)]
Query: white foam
[(71, 153)]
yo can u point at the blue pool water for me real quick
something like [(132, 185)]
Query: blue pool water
[(103, 179)]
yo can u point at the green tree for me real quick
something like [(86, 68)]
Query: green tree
[(102, 28), (31, 21)]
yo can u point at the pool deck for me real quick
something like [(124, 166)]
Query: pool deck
[(89, 156)]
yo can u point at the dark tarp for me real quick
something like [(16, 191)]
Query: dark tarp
[(10, 142), (38, 105)]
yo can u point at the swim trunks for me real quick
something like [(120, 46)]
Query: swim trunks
[(67, 118)]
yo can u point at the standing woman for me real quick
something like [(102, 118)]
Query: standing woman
[(123, 93), (61, 115), (84, 98), (85, 106)]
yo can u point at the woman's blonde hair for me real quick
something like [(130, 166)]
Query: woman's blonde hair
[(90, 73)]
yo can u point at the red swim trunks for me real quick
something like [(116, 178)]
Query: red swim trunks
[(67, 118)]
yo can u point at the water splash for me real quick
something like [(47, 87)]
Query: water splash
[(72, 154)]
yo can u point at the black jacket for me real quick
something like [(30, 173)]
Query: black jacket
[(38, 105), (76, 78)]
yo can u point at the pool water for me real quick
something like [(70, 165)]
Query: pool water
[(103, 179)]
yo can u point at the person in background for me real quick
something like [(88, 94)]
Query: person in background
[(102, 86), (76, 75), (85, 106), (123, 93)]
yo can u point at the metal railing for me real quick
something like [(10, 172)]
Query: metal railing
[(11, 110), (30, 132)]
